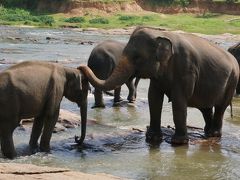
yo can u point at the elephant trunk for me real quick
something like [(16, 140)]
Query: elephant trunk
[(119, 76)]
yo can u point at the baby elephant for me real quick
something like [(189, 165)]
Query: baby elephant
[(102, 61), (35, 89), (235, 51)]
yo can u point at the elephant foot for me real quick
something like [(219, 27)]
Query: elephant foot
[(10, 155), (153, 137), (179, 140), (34, 148), (117, 100), (117, 103), (98, 106), (44, 147), (131, 100), (213, 133)]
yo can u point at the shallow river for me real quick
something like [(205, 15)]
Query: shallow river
[(111, 146)]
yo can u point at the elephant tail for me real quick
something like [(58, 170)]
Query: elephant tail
[(231, 110)]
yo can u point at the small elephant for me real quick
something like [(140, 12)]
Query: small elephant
[(190, 70), (235, 51), (102, 61), (35, 89)]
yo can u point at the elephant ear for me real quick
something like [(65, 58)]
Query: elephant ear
[(164, 49), (74, 81), (79, 80)]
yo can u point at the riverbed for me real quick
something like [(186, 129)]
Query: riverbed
[(115, 143)]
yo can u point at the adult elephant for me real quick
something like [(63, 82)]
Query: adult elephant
[(35, 89), (235, 51), (102, 61), (188, 69)]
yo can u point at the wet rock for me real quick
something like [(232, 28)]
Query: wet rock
[(58, 128), (66, 119), (14, 38), (86, 42), (31, 172), (69, 26), (69, 119), (51, 38)]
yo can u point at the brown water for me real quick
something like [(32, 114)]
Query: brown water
[(111, 145)]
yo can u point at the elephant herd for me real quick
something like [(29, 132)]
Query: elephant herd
[(190, 71)]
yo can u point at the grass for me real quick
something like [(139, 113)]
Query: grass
[(206, 23), (19, 16)]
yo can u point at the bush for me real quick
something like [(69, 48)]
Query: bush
[(47, 20), (23, 15), (161, 2), (20, 3), (99, 21), (185, 3), (75, 20), (127, 18), (231, 1)]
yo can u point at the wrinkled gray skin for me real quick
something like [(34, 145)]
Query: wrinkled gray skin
[(188, 69), (102, 61), (235, 51), (35, 89)]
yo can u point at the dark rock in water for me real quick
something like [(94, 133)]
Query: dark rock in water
[(135, 139), (66, 119)]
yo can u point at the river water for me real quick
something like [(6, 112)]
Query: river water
[(111, 145)]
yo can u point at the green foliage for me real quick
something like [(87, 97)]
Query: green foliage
[(127, 18), (184, 3), (17, 15), (231, 1), (19, 3), (160, 2), (75, 20), (47, 20), (99, 20)]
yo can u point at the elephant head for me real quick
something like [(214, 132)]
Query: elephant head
[(76, 90), (235, 51), (145, 56)]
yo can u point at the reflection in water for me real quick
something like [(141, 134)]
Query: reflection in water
[(111, 146)]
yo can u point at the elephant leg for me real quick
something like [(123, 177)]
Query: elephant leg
[(135, 86), (132, 92), (238, 88), (117, 97), (208, 118), (7, 144), (36, 131), (49, 124), (179, 107), (155, 100), (216, 127), (98, 95)]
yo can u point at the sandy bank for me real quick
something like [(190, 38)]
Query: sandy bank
[(10, 171)]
